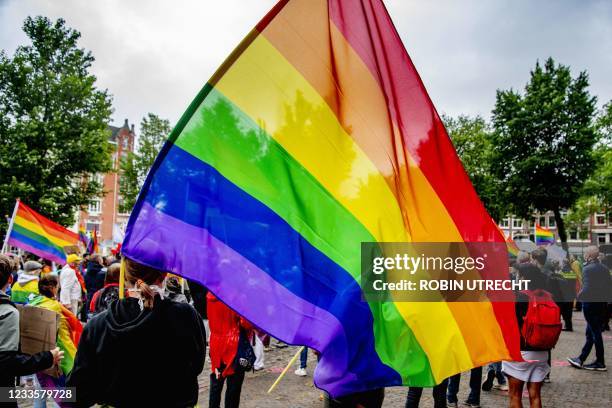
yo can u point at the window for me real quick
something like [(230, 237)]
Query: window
[(573, 234), (600, 219), (517, 223), (90, 226), (122, 209), (98, 178), (532, 223), (552, 222), (95, 207), (601, 239), (504, 223), (542, 220)]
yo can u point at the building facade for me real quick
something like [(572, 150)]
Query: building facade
[(597, 229), (104, 214)]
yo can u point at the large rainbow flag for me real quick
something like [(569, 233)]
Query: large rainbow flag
[(316, 135), (543, 236), (39, 235)]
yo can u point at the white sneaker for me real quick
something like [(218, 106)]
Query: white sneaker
[(301, 372)]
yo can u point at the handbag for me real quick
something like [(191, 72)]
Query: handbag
[(245, 356)]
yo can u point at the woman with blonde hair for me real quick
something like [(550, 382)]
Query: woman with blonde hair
[(144, 350)]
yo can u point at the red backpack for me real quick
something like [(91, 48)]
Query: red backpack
[(542, 323)]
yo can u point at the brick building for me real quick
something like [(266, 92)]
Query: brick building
[(104, 212)]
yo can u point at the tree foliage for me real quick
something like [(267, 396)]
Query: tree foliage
[(597, 190), (153, 133), (543, 141), (53, 123)]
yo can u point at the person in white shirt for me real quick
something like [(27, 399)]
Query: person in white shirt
[(70, 288)]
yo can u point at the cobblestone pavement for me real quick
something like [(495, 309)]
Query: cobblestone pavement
[(569, 387)]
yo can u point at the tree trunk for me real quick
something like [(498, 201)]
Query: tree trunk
[(561, 229)]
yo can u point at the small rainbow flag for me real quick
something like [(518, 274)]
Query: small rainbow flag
[(34, 233), (513, 249), (543, 236), (315, 135), (92, 246), (83, 238)]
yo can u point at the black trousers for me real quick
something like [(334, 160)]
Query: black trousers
[(439, 395), (232, 392), (367, 399), (566, 314)]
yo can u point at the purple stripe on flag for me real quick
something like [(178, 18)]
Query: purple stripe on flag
[(158, 239), (36, 251)]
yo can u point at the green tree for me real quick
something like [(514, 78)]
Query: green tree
[(597, 190), (543, 142), (128, 183), (471, 137), (577, 217), (134, 168), (53, 123)]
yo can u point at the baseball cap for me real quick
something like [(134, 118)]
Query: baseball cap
[(73, 258)]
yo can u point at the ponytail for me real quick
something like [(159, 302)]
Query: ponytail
[(142, 277), (146, 293)]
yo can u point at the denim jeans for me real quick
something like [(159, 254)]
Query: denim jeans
[(303, 357), (475, 381), (593, 313), (497, 369)]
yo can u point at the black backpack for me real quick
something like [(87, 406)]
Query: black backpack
[(107, 296)]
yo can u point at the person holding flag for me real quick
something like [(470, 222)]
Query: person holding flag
[(68, 333), (125, 346)]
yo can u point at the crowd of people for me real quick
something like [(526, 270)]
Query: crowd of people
[(151, 345)]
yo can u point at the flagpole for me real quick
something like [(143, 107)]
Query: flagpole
[(122, 278), (282, 374), (10, 227)]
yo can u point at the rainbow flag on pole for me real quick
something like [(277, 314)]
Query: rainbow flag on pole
[(315, 135), (83, 238), (34, 233), (543, 236), (92, 246)]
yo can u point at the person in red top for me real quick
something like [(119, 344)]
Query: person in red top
[(225, 327)]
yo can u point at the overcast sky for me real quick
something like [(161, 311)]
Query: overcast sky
[(155, 55)]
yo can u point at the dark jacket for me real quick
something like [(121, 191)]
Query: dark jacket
[(13, 363), (538, 280), (133, 358), (94, 277), (596, 283), (198, 294)]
